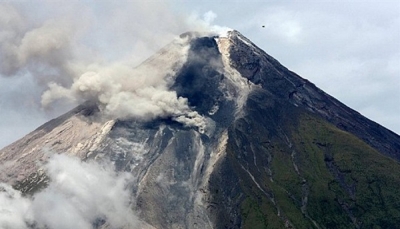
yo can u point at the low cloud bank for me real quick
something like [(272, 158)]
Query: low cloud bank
[(79, 195)]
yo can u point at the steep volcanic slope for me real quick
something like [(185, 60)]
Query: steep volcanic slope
[(275, 152), (262, 69)]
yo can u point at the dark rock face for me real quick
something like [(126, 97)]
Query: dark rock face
[(199, 79)]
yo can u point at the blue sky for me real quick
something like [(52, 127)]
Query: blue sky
[(350, 49)]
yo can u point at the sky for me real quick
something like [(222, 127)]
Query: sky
[(349, 49)]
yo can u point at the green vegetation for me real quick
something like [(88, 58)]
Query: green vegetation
[(360, 181), (257, 216), (341, 181)]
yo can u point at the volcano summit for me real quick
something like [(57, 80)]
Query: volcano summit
[(224, 137)]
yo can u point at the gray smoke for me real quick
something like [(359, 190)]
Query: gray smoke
[(93, 56)]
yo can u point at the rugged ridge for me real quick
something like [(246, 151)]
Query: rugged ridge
[(262, 69), (276, 152)]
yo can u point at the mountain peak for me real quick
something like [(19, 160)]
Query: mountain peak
[(215, 133)]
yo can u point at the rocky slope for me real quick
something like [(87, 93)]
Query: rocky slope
[(275, 151)]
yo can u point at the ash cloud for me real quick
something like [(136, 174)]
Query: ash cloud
[(43, 51), (80, 194), (92, 55)]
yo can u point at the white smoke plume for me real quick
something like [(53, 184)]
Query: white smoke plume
[(13, 208), (92, 55), (205, 23), (79, 194)]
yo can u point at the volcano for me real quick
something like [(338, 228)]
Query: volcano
[(267, 148)]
